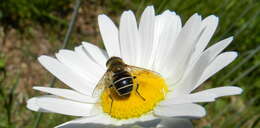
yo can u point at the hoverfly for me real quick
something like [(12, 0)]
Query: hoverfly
[(118, 78)]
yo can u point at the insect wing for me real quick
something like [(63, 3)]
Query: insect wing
[(134, 69), (102, 84)]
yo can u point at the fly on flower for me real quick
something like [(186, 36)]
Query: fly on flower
[(118, 78), (123, 83), (149, 71)]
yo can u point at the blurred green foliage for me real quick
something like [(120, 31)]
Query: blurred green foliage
[(17, 13), (237, 18)]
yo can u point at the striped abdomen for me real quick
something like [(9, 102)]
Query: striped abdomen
[(123, 82)]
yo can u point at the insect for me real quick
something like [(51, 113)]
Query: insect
[(118, 79)]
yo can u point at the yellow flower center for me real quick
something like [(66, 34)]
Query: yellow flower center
[(152, 88)]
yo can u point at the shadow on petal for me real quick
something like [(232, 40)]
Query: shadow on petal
[(145, 124), (150, 123), (158, 123), (175, 123), (78, 125)]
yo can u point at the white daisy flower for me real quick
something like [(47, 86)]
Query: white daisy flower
[(159, 43)]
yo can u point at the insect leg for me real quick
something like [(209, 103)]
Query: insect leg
[(111, 103), (137, 86)]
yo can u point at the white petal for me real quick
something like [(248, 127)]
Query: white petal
[(180, 53), (175, 123), (147, 119), (103, 120), (208, 95), (129, 37), (93, 121), (190, 78), (66, 75), (214, 50), (146, 29), (93, 67), (109, 33), (188, 98), (181, 110), (83, 66), (167, 28), (194, 72), (219, 63), (68, 94), (32, 105), (222, 91), (205, 67), (97, 54), (209, 25), (62, 106)]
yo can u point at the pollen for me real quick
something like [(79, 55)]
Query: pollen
[(152, 89)]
